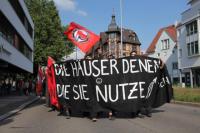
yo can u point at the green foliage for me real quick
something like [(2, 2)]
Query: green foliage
[(48, 38), (187, 94), (68, 44)]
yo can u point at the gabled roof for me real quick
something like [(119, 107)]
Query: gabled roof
[(170, 30)]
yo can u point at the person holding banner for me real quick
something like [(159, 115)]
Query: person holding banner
[(93, 114), (51, 83), (148, 109), (138, 113), (110, 113)]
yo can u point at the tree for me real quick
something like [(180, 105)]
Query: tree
[(69, 45), (49, 39)]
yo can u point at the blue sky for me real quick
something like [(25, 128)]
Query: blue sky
[(145, 17)]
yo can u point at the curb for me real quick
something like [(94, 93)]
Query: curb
[(186, 103), (21, 107)]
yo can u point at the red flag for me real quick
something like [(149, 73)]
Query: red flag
[(81, 37), (52, 83)]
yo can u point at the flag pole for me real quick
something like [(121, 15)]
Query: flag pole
[(121, 51), (76, 52)]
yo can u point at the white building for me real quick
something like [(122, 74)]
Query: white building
[(188, 44), (164, 46), (16, 37)]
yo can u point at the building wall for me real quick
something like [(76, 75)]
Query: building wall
[(114, 46), (189, 64), (9, 53), (186, 61), (128, 48), (169, 56)]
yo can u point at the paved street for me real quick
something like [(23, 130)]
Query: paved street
[(168, 119)]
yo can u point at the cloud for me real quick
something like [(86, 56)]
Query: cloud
[(82, 13), (70, 5)]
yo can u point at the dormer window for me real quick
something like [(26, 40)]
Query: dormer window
[(132, 37)]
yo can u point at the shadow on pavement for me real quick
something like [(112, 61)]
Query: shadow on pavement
[(8, 120), (157, 111), (121, 115), (102, 115)]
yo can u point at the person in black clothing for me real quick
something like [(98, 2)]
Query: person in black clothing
[(64, 110), (93, 114), (147, 110)]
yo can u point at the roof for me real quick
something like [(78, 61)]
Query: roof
[(113, 25), (129, 36), (170, 30)]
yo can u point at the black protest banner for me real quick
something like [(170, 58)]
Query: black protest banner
[(124, 84)]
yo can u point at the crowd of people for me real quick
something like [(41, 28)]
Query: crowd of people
[(16, 86), (144, 111)]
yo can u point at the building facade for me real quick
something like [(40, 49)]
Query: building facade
[(188, 44), (109, 45), (164, 46), (16, 37)]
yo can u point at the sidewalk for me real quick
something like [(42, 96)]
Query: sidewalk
[(9, 105), (186, 103)]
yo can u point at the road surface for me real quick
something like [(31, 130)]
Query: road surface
[(170, 118)]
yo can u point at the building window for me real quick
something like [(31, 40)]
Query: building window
[(124, 54), (180, 53), (105, 48), (112, 47), (158, 54), (196, 47), (134, 48), (112, 35), (132, 37), (20, 13), (193, 48), (165, 44), (8, 32), (175, 65), (124, 46), (191, 28)]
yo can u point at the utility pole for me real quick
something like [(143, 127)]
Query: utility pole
[(121, 46)]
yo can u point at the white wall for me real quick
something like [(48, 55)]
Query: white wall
[(184, 60), (168, 56)]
